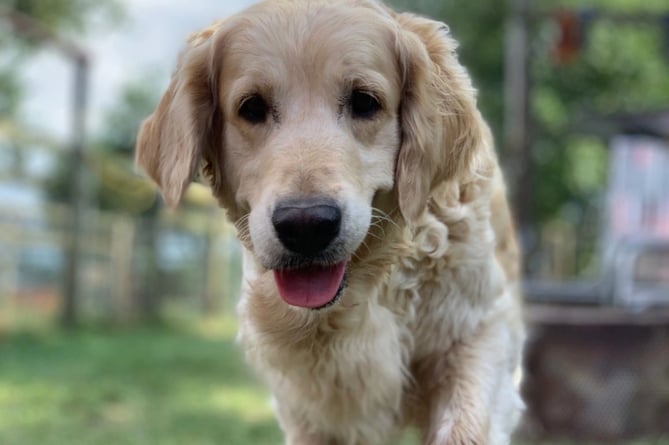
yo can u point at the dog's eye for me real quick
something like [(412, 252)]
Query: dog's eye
[(363, 105), (254, 109)]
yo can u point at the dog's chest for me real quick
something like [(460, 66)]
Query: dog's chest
[(348, 378)]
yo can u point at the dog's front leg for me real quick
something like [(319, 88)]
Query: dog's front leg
[(302, 438), (297, 432), (473, 399)]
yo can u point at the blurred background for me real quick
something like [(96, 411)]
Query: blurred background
[(117, 316)]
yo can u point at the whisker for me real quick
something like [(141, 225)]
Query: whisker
[(381, 215), (242, 225), (378, 227), (244, 220)]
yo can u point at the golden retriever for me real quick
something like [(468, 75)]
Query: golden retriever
[(380, 267)]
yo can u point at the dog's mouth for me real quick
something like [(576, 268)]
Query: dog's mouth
[(313, 286)]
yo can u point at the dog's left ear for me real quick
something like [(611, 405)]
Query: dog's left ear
[(442, 128)]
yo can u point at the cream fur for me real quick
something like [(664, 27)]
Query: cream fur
[(428, 331)]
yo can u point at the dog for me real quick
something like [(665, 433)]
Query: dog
[(380, 283)]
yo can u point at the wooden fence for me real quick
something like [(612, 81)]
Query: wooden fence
[(190, 258)]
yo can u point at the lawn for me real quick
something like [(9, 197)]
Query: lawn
[(167, 386), (183, 385), (127, 387)]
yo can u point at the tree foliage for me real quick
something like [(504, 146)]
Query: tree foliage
[(112, 186), (66, 18), (622, 66), (69, 17)]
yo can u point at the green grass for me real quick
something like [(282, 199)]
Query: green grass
[(155, 386), (177, 386)]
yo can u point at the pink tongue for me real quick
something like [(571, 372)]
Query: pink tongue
[(310, 287)]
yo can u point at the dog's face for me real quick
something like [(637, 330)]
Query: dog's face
[(312, 135), (305, 112)]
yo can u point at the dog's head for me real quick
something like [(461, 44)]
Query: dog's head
[(307, 115)]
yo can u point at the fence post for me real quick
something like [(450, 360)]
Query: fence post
[(70, 285), (121, 250)]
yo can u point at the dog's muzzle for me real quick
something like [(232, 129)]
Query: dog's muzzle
[(307, 228)]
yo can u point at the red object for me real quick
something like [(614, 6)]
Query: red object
[(570, 37)]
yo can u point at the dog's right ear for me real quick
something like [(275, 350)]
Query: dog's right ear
[(171, 140)]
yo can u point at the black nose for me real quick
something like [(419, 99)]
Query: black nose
[(307, 226)]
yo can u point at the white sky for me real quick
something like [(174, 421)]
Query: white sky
[(147, 42)]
